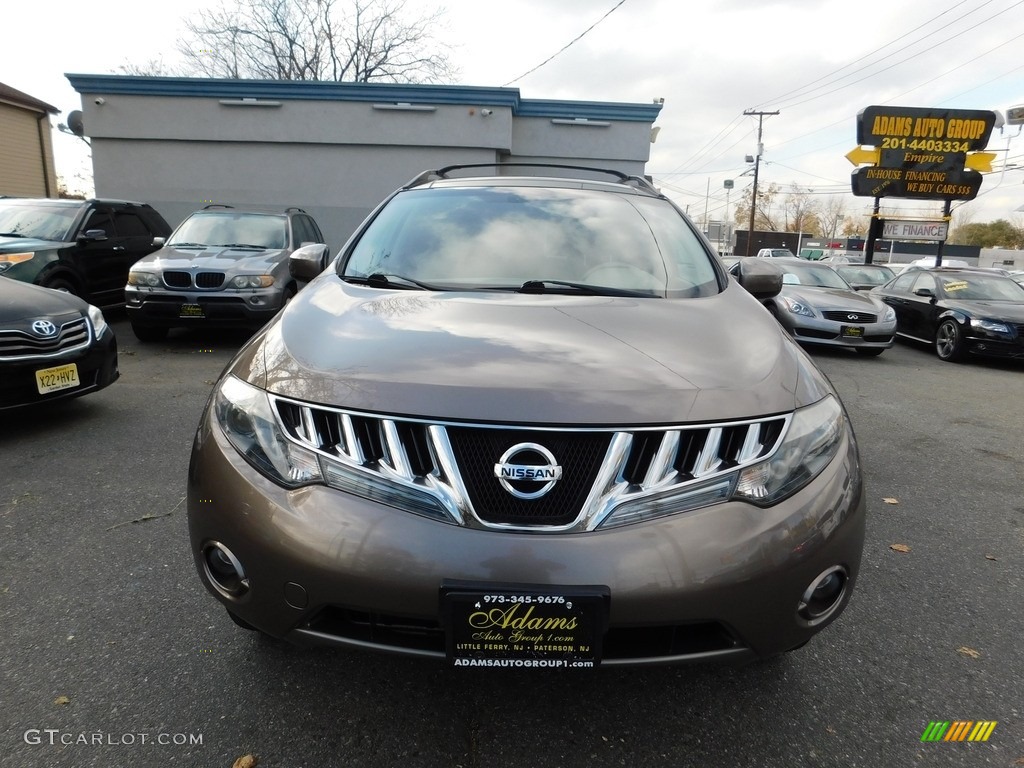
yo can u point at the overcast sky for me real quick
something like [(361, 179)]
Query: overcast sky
[(818, 62)]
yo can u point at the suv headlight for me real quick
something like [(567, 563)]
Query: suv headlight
[(8, 260), (812, 441), (99, 323), (251, 281), (247, 418), (148, 279)]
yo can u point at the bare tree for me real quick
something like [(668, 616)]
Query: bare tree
[(763, 218), (367, 40), (855, 226), (800, 211), (831, 215)]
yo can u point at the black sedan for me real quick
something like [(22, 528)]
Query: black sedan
[(52, 345), (960, 311)]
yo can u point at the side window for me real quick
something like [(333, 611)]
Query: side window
[(903, 283), (300, 233), (100, 219), (130, 225), (314, 230), (925, 280)]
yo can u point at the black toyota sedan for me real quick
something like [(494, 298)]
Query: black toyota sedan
[(960, 311), (52, 346)]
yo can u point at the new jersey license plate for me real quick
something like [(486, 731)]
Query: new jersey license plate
[(57, 378)]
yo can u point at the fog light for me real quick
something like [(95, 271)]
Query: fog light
[(824, 595), (224, 571)]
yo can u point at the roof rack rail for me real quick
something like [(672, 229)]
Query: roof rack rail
[(443, 173), (217, 205), (293, 209)]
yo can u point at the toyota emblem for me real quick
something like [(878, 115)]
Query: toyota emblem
[(43, 328), (536, 464)]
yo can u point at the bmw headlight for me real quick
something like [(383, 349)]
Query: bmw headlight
[(147, 279), (99, 323), (246, 416), (812, 441), (992, 326), (797, 307), (252, 281)]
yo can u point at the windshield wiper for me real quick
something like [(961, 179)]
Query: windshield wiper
[(11, 234), (559, 286), (186, 245), (380, 280), (242, 245)]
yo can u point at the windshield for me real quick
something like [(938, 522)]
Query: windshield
[(981, 287), (46, 222), (816, 277), (483, 238), (866, 275), (220, 228)]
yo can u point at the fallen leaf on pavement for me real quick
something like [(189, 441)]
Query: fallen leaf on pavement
[(891, 501), (991, 557), (60, 701), (968, 652), (899, 547), (246, 761)]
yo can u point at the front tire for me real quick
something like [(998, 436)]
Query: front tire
[(147, 333), (60, 284), (949, 341)]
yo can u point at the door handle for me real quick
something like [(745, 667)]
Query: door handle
[(118, 248)]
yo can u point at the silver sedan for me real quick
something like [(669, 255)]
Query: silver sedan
[(819, 307)]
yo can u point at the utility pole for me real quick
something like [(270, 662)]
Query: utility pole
[(757, 164)]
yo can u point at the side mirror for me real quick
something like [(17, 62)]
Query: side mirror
[(159, 242), (93, 235), (759, 277), (308, 261), (925, 292)]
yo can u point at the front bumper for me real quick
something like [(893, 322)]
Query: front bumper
[(97, 368), (809, 330), (223, 309), (324, 567)]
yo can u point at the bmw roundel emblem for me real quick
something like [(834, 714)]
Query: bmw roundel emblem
[(43, 328), (526, 465)]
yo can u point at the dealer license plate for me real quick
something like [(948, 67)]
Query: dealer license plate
[(57, 378), (852, 331), (191, 310), (524, 625)]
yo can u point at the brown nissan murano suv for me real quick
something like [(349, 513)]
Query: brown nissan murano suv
[(528, 422)]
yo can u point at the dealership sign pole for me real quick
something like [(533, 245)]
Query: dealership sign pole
[(923, 154)]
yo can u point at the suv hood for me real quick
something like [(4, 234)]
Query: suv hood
[(220, 259), (549, 359), (19, 244)]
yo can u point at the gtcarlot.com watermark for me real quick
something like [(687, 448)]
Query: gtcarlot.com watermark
[(57, 737)]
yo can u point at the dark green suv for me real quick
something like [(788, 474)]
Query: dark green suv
[(84, 247)]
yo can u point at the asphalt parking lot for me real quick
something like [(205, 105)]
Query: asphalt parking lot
[(112, 653)]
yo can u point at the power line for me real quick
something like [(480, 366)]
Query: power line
[(564, 47)]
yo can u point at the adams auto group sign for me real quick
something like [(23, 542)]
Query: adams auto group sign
[(929, 154)]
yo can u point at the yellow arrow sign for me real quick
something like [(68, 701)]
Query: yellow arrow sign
[(980, 161), (861, 156)]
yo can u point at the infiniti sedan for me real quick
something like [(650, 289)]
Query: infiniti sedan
[(819, 307), (959, 311), (528, 422)]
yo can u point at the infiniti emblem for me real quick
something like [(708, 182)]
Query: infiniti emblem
[(852, 316), (43, 328), (536, 465)]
